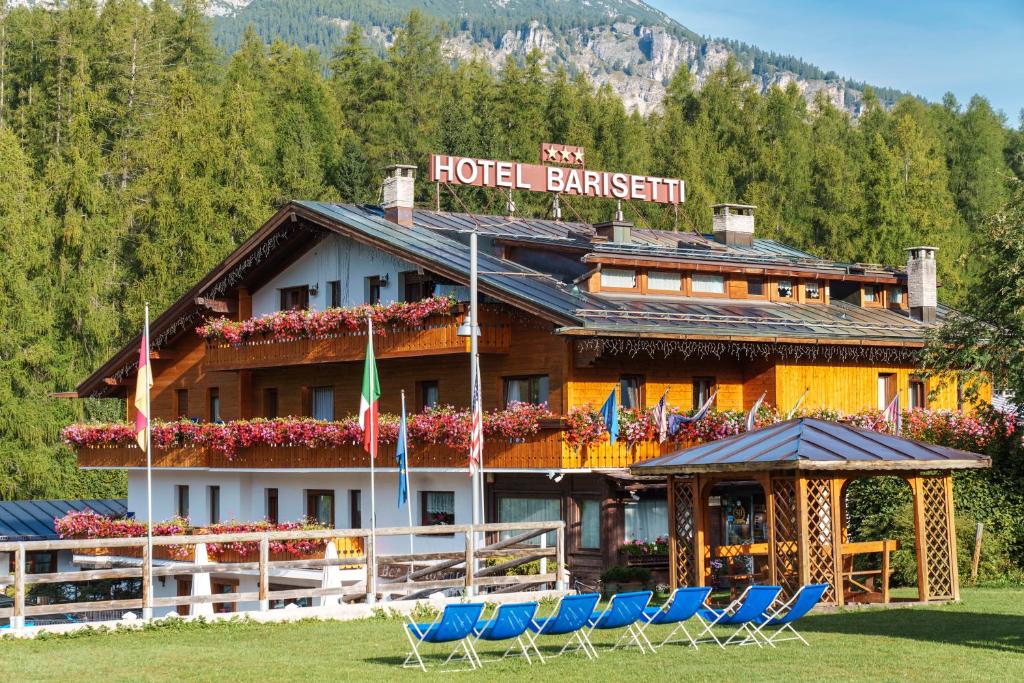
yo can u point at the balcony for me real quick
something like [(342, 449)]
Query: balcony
[(546, 450), (438, 335)]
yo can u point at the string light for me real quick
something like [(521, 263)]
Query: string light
[(746, 350)]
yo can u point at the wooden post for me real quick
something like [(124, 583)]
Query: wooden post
[(836, 503), (470, 560), (147, 581), (886, 550), (18, 617), (769, 520), (264, 574), (976, 558), (673, 569), (947, 482), (920, 547), (371, 570), (803, 560), (699, 537), (560, 558)]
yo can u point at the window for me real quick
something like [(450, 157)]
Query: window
[(918, 393), (270, 403), (631, 388), (785, 288), (590, 524), (213, 493), (181, 403), (181, 500), (871, 294), (272, 514), (886, 389), (707, 283), (513, 510), (437, 507), (896, 296), (755, 286), (703, 387), (323, 403), (223, 587), (664, 281), (284, 602), (533, 389), (334, 294), (618, 278), (295, 298), (374, 284), (646, 519), (417, 286), (320, 506), (39, 562), (428, 394), (355, 509), (812, 290), (214, 401)]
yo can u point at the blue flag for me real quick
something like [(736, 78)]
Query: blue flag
[(677, 421), (610, 415), (402, 458)]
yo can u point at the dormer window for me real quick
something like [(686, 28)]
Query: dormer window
[(708, 283), (896, 296), (812, 290), (663, 281), (618, 278), (871, 294), (785, 289), (755, 286)]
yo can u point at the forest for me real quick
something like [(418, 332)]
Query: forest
[(135, 155)]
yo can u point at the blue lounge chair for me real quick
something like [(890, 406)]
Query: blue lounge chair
[(454, 625), (683, 605), (624, 611), (800, 604), (744, 612), (570, 618), (512, 620)]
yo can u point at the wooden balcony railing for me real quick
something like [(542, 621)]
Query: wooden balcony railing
[(546, 450), (438, 335)]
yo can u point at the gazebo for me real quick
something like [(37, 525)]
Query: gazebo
[(775, 497)]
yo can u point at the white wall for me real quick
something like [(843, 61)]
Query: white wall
[(335, 258), (243, 498)]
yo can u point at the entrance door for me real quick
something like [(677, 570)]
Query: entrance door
[(886, 389)]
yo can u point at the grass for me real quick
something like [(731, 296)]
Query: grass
[(980, 639)]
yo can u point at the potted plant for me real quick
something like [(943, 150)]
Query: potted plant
[(619, 579)]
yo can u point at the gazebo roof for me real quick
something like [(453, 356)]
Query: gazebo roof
[(811, 444)]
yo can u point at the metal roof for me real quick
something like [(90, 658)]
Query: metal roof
[(808, 443), (32, 520)]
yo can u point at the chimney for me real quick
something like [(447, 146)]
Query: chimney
[(618, 230), (921, 283), (399, 188), (733, 224)]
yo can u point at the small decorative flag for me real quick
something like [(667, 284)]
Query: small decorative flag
[(369, 399), (677, 421), (892, 414), (752, 416), (142, 386), (402, 458), (799, 403), (659, 416), (476, 433), (610, 415)]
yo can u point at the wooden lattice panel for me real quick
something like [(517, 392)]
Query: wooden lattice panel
[(938, 555), (685, 528), (820, 559), (787, 529)]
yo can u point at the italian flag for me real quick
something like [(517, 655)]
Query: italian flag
[(370, 397)]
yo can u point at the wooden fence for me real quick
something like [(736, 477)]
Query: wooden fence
[(419, 574)]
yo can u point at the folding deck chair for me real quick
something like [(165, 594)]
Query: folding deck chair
[(744, 611), (512, 620), (454, 625), (799, 605), (680, 607), (624, 611), (570, 618)]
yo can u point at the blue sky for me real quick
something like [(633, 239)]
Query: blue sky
[(929, 48)]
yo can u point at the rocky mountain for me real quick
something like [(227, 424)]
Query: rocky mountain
[(627, 44)]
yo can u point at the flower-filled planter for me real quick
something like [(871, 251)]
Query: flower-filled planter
[(645, 553)]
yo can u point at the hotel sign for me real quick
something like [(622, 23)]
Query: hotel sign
[(512, 175)]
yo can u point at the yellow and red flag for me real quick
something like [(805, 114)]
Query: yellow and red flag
[(142, 386)]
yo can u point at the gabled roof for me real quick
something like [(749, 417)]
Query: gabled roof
[(32, 520), (811, 444)]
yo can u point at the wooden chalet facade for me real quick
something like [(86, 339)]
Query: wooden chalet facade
[(570, 311)]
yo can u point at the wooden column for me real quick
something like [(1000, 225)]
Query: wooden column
[(469, 563), (147, 581), (673, 570), (18, 614), (802, 529), (264, 587), (837, 538), (769, 520), (920, 547), (951, 522), (700, 545)]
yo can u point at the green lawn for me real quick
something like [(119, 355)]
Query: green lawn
[(980, 639)]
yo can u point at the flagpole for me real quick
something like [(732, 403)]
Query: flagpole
[(408, 485), (147, 612), (473, 362), (372, 423)]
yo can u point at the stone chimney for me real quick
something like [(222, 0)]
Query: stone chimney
[(733, 224), (921, 283), (617, 230), (399, 190)]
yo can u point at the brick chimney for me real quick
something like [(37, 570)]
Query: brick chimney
[(921, 283), (733, 224), (399, 190)]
